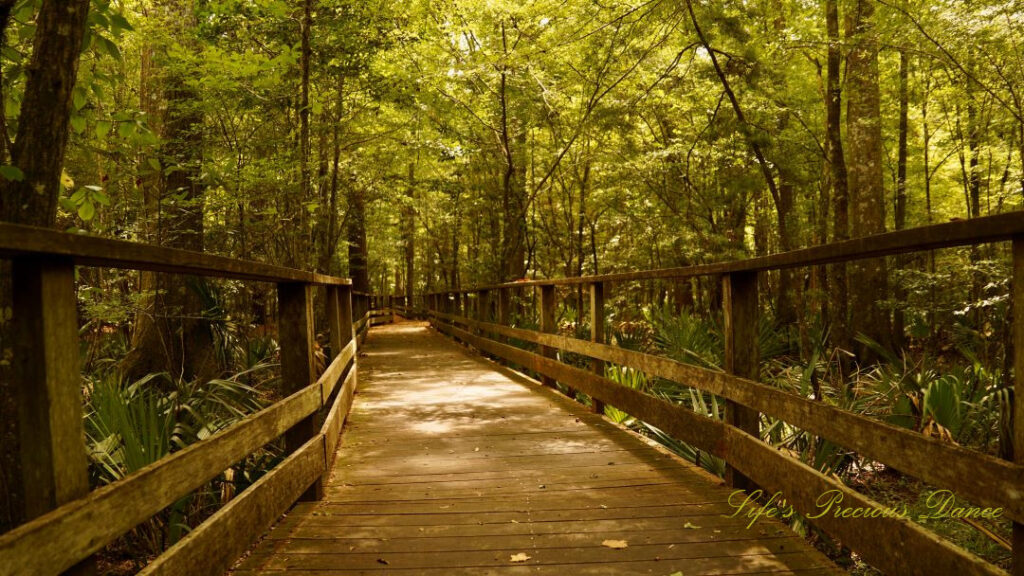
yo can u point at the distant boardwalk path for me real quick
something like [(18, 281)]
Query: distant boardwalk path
[(450, 466)]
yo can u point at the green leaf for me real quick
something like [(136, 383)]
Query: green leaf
[(78, 123), (86, 211), (101, 197), (12, 173), (103, 128), (154, 164), (67, 204), (126, 129), (109, 47), (119, 22), (78, 98)]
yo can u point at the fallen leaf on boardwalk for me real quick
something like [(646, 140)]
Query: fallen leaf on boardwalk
[(382, 561), (691, 526), (519, 557), (617, 544)]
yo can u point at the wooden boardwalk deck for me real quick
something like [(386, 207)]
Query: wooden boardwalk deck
[(451, 466)]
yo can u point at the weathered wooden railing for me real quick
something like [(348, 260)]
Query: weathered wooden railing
[(894, 545), (68, 522)]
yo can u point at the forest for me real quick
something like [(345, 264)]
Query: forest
[(429, 147)]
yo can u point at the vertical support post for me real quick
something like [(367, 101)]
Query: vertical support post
[(504, 306), (483, 306), (47, 384), (298, 370), (742, 357), (1017, 296), (547, 324), (597, 335), (345, 320), (334, 321)]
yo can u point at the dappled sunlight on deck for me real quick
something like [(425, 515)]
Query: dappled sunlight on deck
[(452, 465)]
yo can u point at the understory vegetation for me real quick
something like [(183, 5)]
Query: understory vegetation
[(428, 146)]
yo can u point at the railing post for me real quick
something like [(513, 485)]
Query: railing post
[(483, 306), (597, 335), (298, 370), (338, 341), (47, 387), (504, 306), (742, 357), (1017, 295), (547, 324), (345, 319)]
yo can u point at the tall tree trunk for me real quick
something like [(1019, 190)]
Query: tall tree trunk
[(357, 256), (409, 232), (867, 192), (172, 336), (330, 245), (837, 176), (514, 199), (900, 217), (305, 188), (38, 150)]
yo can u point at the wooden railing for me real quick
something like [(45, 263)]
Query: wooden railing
[(68, 522), (894, 545)]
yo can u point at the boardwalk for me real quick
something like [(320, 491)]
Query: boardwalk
[(450, 466)]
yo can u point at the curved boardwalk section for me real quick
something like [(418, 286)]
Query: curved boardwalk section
[(450, 465)]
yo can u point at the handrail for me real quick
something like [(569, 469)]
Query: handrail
[(951, 234), (19, 241), (895, 545), (68, 522)]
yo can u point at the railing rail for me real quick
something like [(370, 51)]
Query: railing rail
[(892, 544), (68, 522)]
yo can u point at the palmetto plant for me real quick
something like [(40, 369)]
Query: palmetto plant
[(132, 425)]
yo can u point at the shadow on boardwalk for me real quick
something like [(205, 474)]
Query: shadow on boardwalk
[(449, 465)]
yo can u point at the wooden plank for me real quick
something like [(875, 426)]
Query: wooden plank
[(548, 305), (334, 332), (55, 541), (742, 357), (216, 543), (331, 428), (47, 384), (298, 363), (982, 479), (17, 240), (529, 491), (47, 388), (983, 230), (678, 421), (328, 381), (597, 317), (345, 314), (894, 545)]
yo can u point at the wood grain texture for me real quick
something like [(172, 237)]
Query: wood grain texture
[(18, 240), (894, 545), (218, 542), (55, 541), (597, 317), (450, 466), (47, 384), (982, 479), (742, 357), (298, 363)]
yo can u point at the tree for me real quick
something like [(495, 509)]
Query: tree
[(866, 181)]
